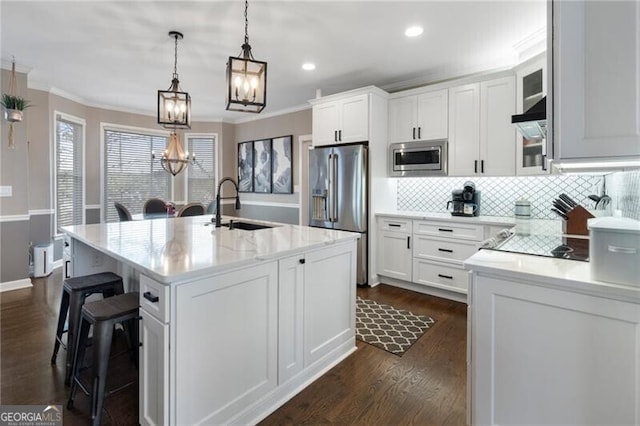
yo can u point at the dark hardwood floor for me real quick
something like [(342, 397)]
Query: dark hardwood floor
[(427, 385)]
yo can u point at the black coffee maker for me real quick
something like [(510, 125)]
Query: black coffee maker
[(466, 201)]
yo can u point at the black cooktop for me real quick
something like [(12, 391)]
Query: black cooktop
[(558, 246)]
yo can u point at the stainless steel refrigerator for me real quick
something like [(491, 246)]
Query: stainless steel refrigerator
[(338, 191)]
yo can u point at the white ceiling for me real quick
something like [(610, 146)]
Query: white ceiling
[(117, 54)]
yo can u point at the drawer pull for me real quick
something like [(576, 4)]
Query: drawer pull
[(623, 250), (449, 277), (409, 242), (394, 225), (150, 297), (445, 250), (445, 230)]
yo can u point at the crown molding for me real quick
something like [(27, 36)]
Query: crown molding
[(296, 108)]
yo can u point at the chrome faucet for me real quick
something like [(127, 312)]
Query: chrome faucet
[(218, 198)]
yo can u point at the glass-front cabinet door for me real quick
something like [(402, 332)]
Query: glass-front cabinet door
[(531, 87)]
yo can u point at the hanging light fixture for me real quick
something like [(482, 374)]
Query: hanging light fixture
[(246, 78), (174, 105), (174, 159)]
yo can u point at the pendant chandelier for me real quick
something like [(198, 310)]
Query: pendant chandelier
[(174, 159), (246, 78), (174, 105)]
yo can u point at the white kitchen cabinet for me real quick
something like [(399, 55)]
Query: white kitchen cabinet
[(543, 353), (239, 349), (329, 301), (153, 371), (419, 117), (464, 130), (290, 316), (342, 120), (481, 136), (531, 87), (596, 84), (394, 248)]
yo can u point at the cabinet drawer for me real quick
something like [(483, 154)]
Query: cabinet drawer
[(394, 225), (449, 230), (154, 298), (435, 274), (443, 249)]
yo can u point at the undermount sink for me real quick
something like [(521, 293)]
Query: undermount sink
[(247, 226)]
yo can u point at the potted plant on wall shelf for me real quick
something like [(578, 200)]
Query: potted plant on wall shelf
[(13, 107)]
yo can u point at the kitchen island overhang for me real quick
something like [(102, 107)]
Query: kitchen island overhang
[(234, 322)]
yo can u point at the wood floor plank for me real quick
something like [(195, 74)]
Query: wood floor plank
[(427, 385)]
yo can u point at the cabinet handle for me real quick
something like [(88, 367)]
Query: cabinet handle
[(419, 129), (449, 277), (544, 163), (339, 135), (335, 136), (414, 133), (302, 261), (150, 297), (445, 230), (475, 166), (445, 250), (481, 166), (409, 242), (394, 225), (66, 268)]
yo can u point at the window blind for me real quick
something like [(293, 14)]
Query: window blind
[(131, 176), (69, 187), (201, 176)]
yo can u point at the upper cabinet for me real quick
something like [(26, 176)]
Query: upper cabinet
[(596, 80), (419, 117), (531, 87), (342, 120), (481, 136)]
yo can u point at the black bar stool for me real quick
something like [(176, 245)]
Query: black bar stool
[(103, 315), (75, 291)]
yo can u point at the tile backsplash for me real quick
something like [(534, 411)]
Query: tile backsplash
[(500, 193), (624, 190)]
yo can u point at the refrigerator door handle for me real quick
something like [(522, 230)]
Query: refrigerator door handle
[(334, 202), (331, 188)]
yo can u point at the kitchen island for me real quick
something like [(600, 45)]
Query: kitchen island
[(234, 322)]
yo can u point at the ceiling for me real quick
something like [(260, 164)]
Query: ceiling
[(117, 54)]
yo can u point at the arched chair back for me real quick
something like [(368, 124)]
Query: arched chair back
[(123, 212), (191, 209), (211, 207), (154, 206)]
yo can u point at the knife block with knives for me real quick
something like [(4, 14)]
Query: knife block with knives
[(575, 216)]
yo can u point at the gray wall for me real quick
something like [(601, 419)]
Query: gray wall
[(257, 206)]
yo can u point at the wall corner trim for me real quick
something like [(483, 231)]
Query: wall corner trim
[(15, 285)]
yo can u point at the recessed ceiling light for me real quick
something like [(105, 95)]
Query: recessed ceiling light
[(413, 31), (308, 66)]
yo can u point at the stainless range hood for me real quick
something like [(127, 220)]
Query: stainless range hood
[(533, 123)]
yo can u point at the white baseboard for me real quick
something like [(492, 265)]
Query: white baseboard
[(15, 285)]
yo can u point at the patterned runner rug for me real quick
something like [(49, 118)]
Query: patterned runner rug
[(387, 327)]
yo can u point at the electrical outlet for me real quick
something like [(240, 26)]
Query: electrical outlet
[(6, 191)]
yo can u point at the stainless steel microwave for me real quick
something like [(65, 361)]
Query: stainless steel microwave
[(428, 158)]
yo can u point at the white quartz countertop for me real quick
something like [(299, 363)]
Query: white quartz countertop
[(170, 250), (563, 274), (446, 217)]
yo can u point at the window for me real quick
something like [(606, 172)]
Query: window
[(201, 176), (69, 179), (131, 176)]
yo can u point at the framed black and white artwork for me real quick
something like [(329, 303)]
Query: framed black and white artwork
[(262, 166), (245, 167), (281, 165)]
